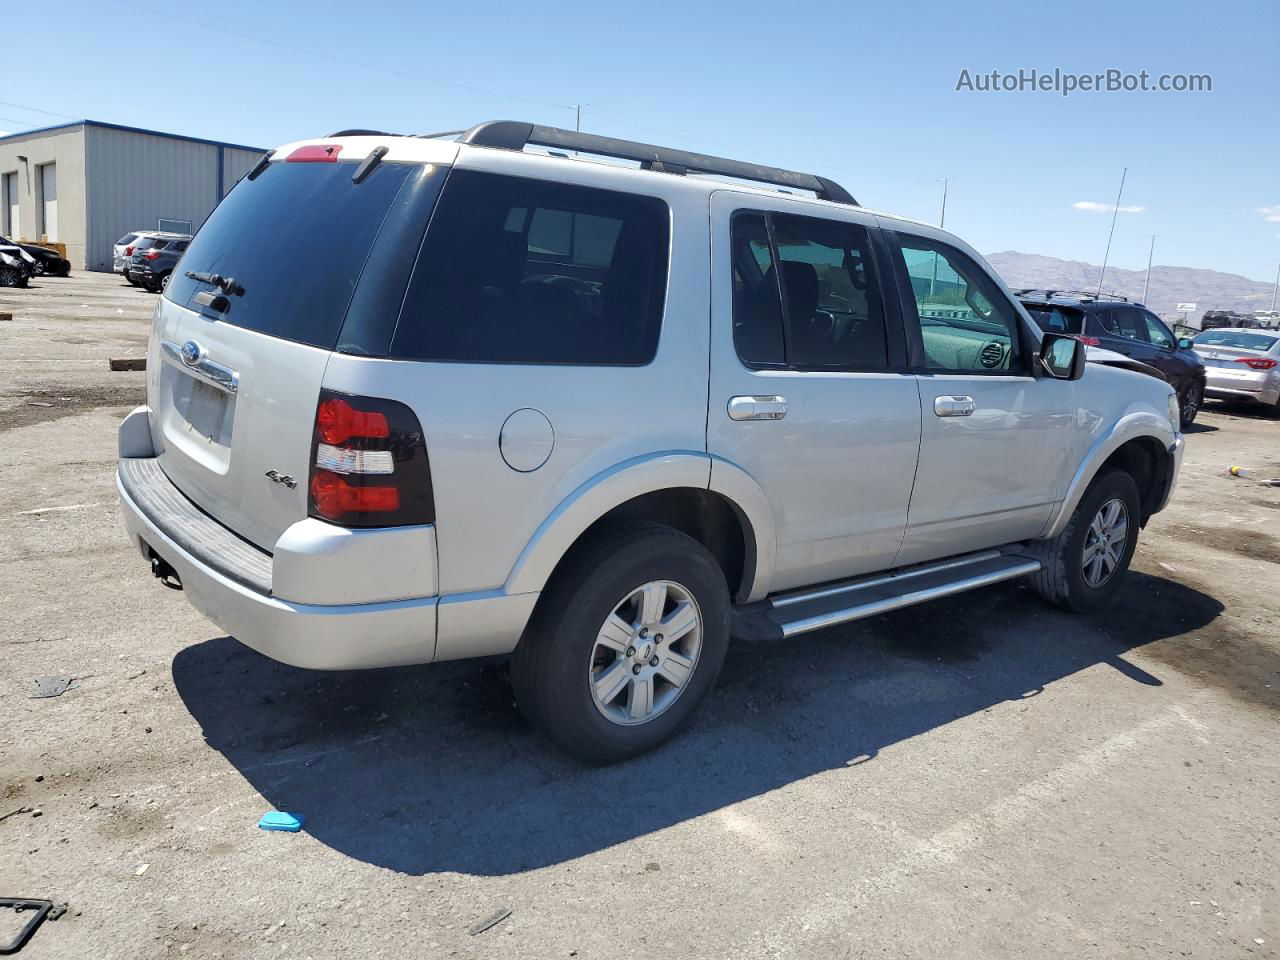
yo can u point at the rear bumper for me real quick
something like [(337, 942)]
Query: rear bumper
[(322, 637), (1264, 389)]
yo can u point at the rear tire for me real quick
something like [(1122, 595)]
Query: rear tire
[(594, 672), (1081, 568), (12, 277)]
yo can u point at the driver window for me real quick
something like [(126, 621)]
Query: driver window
[(964, 322), (1157, 332)]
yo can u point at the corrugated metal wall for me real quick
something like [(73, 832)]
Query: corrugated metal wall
[(64, 147), (136, 179)]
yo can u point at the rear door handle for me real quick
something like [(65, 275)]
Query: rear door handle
[(954, 406), (757, 408)]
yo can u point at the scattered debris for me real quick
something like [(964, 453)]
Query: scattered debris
[(38, 403), (653, 867), (1168, 566), (1245, 474), (128, 363), (42, 910), (15, 813), (135, 675), (52, 686), (279, 820), (142, 868), (5, 316), (490, 921)]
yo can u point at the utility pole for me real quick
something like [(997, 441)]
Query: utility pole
[(942, 220), (1114, 212), (1147, 283), (577, 122), (1275, 289)]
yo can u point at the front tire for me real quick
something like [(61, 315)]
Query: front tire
[(1189, 403), (625, 644), (12, 277), (1082, 567)]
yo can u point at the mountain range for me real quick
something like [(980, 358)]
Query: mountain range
[(1207, 289)]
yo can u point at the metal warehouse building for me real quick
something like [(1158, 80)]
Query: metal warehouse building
[(86, 184)]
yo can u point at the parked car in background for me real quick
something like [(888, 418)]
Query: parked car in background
[(1242, 365), (1267, 319), (1217, 319), (14, 271), (131, 243), (1126, 328), (414, 399), (121, 251), (42, 261), (153, 260)]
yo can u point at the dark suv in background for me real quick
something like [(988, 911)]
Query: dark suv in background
[(44, 262), (153, 260), (1125, 327)]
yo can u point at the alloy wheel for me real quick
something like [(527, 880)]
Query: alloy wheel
[(645, 652), (1104, 543)]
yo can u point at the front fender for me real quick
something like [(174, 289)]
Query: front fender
[(1133, 425)]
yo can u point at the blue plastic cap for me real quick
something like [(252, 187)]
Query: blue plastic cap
[(279, 820)]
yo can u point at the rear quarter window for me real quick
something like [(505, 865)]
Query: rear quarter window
[(515, 270)]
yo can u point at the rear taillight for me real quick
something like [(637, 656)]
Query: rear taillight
[(151, 255), (369, 463), (128, 251), (1088, 341), (1257, 363)]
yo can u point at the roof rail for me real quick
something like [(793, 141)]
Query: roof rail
[(363, 133), (514, 135), (1049, 293)]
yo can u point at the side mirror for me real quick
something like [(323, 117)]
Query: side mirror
[(1184, 343), (1062, 357)]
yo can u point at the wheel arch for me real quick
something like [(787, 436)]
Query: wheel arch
[(1141, 444), (675, 489)]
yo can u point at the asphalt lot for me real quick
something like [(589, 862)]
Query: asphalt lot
[(981, 777)]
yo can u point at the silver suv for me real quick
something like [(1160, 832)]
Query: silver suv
[(602, 405)]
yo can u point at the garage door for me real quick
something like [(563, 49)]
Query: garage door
[(49, 201)]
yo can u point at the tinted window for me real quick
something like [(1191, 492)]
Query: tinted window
[(965, 322), (126, 239), (295, 239), (757, 303), (1124, 322), (1053, 319), (181, 245), (527, 271)]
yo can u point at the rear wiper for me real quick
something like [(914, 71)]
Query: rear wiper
[(227, 285)]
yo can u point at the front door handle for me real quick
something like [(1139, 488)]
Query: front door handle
[(757, 408), (954, 406)]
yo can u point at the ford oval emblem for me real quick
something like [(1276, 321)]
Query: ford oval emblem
[(191, 353)]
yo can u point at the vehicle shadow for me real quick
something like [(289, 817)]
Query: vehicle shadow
[(433, 769), (1198, 427)]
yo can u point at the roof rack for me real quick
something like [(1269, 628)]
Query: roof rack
[(514, 135), (1049, 294)]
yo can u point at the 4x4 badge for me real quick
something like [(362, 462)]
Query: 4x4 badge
[(275, 476)]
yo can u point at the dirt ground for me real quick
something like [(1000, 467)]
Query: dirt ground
[(980, 777)]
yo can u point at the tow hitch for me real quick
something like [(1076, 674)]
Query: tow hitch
[(162, 571)]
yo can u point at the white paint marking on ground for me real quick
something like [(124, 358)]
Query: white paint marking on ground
[(74, 506), (946, 847)]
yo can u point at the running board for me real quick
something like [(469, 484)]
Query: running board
[(791, 614)]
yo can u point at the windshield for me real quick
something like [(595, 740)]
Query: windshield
[(1234, 338), (1053, 319), (295, 239)]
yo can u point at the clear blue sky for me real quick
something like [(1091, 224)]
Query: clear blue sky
[(861, 92)]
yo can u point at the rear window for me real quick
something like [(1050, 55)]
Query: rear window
[(528, 271), (1233, 338), (1052, 319), (295, 239), (126, 239)]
